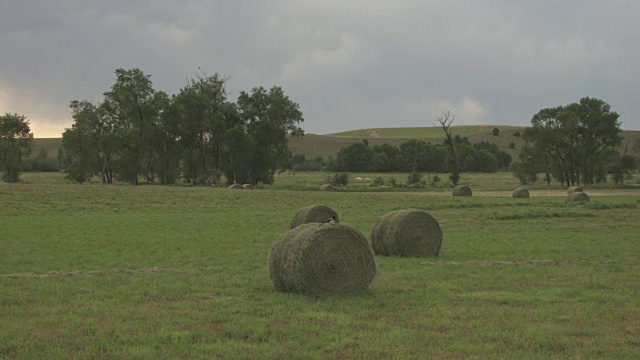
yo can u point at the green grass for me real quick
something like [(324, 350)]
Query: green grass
[(147, 272)]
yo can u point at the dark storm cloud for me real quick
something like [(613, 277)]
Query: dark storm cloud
[(349, 64)]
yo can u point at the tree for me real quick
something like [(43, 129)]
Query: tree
[(453, 159), (204, 115), (16, 142), (270, 118), (356, 157), (574, 138), (131, 106), (495, 131), (90, 143)]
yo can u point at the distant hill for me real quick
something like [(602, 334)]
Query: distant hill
[(324, 145), (312, 145)]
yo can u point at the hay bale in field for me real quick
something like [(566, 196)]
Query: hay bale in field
[(462, 190), (248, 186), (327, 187), (235, 187), (578, 197), (574, 189), (520, 193), (314, 214), (409, 233), (322, 259)]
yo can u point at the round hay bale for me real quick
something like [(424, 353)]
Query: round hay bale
[(408, 233), (322, 259), (327, 187), (578, 197), (462, 190), (248, 186), (314, 214), (235, 187), (520, 193), (573, 189)]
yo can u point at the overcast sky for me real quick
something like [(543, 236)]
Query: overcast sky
[(349, 64)]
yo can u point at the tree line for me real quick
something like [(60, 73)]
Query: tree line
[(197, 135), (411, 156)]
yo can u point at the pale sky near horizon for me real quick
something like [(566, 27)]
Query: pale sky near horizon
[(349, 64)]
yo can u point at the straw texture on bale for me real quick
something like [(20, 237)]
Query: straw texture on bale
[(520, 193), (313, 214), (322, 259), (574, 189), (327, 187), (235, 187), (578, 197), (248, 186), (408, 233), (462, 190)]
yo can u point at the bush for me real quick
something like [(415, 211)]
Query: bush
[(512, 145), (516, 134), (339, 179), (495, 131), (392, 182), (414, 178), (435, 180), (379, 181)]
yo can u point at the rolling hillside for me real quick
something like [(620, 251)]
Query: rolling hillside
[(312, 145)]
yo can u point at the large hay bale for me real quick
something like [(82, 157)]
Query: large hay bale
[(322, 259), (578, 197), (327, 187), (248, 186), (409, 233), (520, 193), (313, 214), (462, 190), (574, 189), (235, 187)]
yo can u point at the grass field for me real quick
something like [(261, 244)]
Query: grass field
[(148, 272)]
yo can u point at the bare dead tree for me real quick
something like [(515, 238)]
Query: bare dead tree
[(445, 120)]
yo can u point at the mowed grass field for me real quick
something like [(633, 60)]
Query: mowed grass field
[(149, 272)]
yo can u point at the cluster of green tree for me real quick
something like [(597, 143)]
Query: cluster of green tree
[(574, 144), (196, 135), (16, 143), (410, 156)]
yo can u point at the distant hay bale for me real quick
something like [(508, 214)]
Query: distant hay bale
[(578, 197), (248, 186), (322, 259), (235, 187), (574, 189), (408, 233), (520, 193), (327, 187), (313, 214), (462, 190)]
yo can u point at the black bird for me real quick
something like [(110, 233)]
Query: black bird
[(332, 220)]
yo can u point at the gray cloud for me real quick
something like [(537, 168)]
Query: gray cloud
[(349, 64)]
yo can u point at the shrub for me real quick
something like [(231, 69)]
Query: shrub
[(414, 178), (339, 179), (379, 181)]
